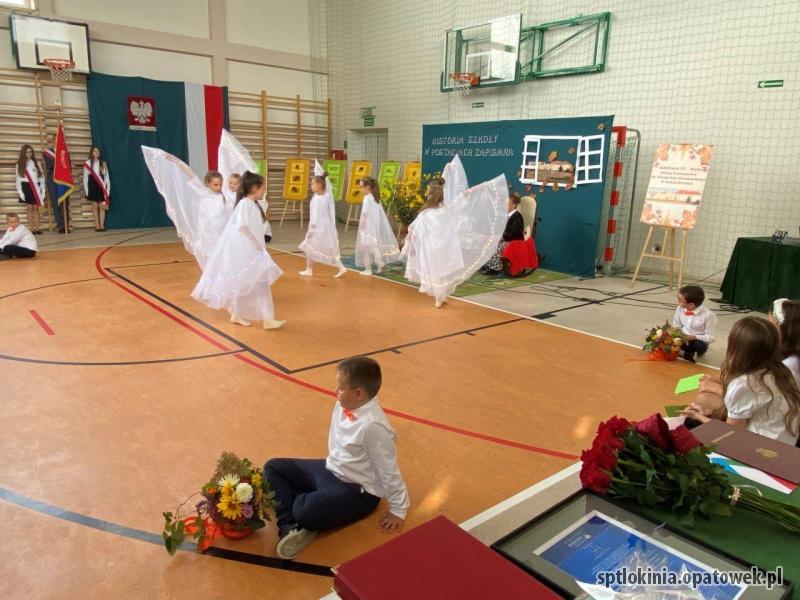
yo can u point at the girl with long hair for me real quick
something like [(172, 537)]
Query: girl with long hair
[(375, 241), (97, 186), (30, 185)]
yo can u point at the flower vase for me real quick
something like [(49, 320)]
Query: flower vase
[(236, 534), (661, 354)]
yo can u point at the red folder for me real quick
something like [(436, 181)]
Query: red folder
[(437, 560)]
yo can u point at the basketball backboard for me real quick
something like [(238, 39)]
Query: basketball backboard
[(489, 50), (34, 39)]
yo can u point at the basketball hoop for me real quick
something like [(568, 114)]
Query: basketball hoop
[(60, 70), (462, 82)]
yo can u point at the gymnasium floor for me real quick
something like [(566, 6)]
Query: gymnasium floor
[(120, 392)]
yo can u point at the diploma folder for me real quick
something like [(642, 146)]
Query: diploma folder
[(771, 456), (435, 561)]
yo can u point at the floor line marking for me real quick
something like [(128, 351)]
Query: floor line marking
[(330, 393), (42, 323), (63, 514)]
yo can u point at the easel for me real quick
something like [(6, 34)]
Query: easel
[(669, 236), (353, 215), (297, 206)]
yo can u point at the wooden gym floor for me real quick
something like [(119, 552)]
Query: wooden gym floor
[(119, 392)]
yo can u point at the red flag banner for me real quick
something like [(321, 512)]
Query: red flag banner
[(62, 171)]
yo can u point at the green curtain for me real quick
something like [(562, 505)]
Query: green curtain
[(134, 199)]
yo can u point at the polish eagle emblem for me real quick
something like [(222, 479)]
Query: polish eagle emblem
[(142, 111)]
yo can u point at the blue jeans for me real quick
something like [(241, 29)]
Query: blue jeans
[(312, 497)]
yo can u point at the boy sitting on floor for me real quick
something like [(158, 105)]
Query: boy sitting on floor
[(361, 468), (18, 241), (696, 321)]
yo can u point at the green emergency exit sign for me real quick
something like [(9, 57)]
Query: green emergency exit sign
[(770, 83)]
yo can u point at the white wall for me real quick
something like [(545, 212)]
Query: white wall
[(680, 71), (244, 77), (115, 59), (187, 17), (274, 24)]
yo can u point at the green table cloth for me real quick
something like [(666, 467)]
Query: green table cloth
[(761, 271)]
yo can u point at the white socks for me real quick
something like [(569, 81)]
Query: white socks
[(306, 273), (273, 324), (240, 321)]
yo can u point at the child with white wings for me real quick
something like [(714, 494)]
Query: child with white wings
[(375, 241), (321, 243)]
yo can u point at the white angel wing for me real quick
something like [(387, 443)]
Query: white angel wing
[(182, 190), (455, 180), (232, 157), (482, 215)]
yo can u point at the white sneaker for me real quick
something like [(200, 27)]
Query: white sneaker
[(366, 272), (439, 303), (340, 272), (306, 273), (240, 321), (293, 543), (273, 324)]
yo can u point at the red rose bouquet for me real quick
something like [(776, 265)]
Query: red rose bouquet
[(654, 466), (663, 342)]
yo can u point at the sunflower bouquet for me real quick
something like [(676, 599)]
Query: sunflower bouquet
[(663, 342), (404, 198), (234, 503)]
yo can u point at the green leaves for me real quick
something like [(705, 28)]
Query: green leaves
[(173, 534)]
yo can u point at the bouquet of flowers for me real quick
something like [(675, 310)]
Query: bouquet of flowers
[(663, 342), (234, 503), (653, 466), (403, 199)]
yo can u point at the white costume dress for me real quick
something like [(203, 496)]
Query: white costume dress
[(455, 180), (375, 242), (240, 271), (232, 158), (321, 243), (447, 245), (198, 213)]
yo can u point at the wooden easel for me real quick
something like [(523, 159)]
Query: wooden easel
[(353, 215), (672, 258)]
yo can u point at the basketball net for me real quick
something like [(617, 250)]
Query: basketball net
[(60, 70), (463, 82)]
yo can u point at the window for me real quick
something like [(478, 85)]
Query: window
[(590, 160), (24, 4), (530, 160)]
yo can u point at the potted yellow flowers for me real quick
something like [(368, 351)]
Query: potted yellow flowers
[(234, 503)]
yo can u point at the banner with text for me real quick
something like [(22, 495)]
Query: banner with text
[(676, 185), (561, 163)]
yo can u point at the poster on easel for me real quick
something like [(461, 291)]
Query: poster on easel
[(360, 168), (295, 182), (412, 172), (335, 170), (388, 175), (676, 185)]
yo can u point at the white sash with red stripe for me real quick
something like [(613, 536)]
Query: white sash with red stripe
[(34, 188), (101, 184)]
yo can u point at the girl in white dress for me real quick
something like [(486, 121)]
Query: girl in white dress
[(375, 242), (212, 216), (321, 243), (240, 271), (447, 244)]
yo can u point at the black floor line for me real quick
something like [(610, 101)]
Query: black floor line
[(200, 321), (42, 287), (153, 538), (122, 363), (550, 314), (168, 262), (94, 237)]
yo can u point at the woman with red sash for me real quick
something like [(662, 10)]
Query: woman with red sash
[(30, 185), (97, 186)]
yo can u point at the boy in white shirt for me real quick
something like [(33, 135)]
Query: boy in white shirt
[(18, 241), (695, 321), (361, 468)]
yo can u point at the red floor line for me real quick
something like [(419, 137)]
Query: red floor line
[(47, 329), (321, 390)]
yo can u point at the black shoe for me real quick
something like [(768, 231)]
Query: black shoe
[(37, 232), (62, 230), (688, 356), (702, 352)]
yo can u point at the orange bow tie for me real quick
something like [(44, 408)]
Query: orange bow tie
[(348, 413), (689, 313)]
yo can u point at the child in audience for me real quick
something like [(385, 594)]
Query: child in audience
[(321, 243), (97, 186), (760, 392), (239, 271), (375, 242), (18, 241), (785, 314), (696, 322), (30, 185), (361, 468)]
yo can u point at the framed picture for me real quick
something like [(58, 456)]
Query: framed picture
[(588, 541), (296, 179)]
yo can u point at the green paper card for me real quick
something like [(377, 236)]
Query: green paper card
[(688, 384), (673, 410)]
